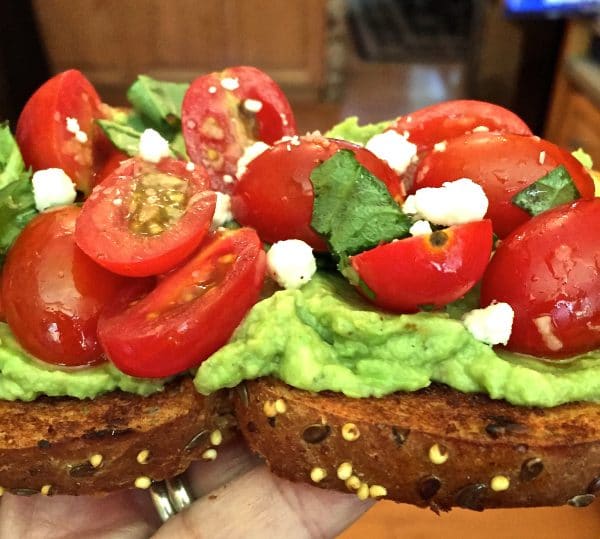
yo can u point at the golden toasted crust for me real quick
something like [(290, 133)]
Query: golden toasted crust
[(69, 446), (436, 447)]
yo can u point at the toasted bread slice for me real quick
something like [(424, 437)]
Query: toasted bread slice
[(435, 447), (71, 446)]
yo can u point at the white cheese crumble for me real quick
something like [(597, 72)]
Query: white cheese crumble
[(420, 228), (222, 210), (393, 148), (481, 129), (253, 105), (212, 89), (457, 202), (291, 263), (190, 167), (230, 83), (542, 157), (153, 147), (440, 146), (73, 127), (491, 325), (228, 178), (52, 187), (250, 153)]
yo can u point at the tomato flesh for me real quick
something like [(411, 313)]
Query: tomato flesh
[(42, 133), (275, 194), (191, 313), (547, 270), (220, 118), (53, 293), (443, 121), (431, 270), (503, 164), (145, 219)]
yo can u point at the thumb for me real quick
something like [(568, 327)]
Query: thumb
[(259, 504)]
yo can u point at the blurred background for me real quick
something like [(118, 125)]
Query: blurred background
[(373, 58)]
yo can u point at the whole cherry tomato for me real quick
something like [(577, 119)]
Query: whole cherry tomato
[(46, 127), (503, 164), (547, 270), (191, 313), (275, 194), (53, 293), (433, 269)]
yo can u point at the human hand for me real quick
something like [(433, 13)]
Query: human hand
[(236, 497)]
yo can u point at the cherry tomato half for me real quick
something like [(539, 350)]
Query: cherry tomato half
[(53, 293), (42, 133), (547, 270), (191, 313), (222, 113), (433, 269), (145, 219), (450, 119), (275, 194), (503, 164)]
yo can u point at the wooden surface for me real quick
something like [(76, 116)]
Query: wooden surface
[(395, 521), (112, 41)]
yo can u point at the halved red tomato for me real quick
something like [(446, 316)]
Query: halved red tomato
[(275, 194), (191, 313), (53, 293), (547, 271), (433, 269), (222, 113), (109, 164), (145, 218), (444, 121), (503, 164), (42, 133)]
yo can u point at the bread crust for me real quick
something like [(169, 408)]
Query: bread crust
[(435, 447), (52, 445)]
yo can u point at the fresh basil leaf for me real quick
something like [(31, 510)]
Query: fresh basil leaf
[(583, 157), (551, 190), (17, 208), (353, 209), (159, 102), (349, 130), (123, 136), (12, 166), (177, 144)]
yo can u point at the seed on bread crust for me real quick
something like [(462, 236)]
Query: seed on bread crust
[(1, 491), (499, 483), (582, 500), (198, 439), (531, 468), (216, 438), (318, 474), (363, 492), (96, 460), (429, 486), (269, 409), (437, 454), (143, 456), (353, 483), (46, 490), (315, 434), (350, 432), (400, 435), (377, 491), (472, 496), (143, 482), (210, 454), (280, 406), (344, 471)]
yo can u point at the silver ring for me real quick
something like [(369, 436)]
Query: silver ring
[(170, 496)]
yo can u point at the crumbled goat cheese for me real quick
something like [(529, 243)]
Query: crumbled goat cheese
[(457, 202), (440, 146), (153, 147), (253, 105), (481, 129), (52, 187), (222, 210), (291, 263), (73, 127), (492, 325), (251, 152), (393, 148), (230, 83), (420, 228), (190, 167)]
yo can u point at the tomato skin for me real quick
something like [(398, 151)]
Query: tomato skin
[(275, 194), (503, 164), (110, 163), (414, 271), (548, 267), (103, 232), (42, 129), (214, 125), (53, 293), (443, 121), (162, 335)]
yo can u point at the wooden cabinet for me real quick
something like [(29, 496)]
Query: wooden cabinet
[(112, 41)]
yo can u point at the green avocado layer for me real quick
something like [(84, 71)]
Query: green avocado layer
[(22, 377), (325, 337)]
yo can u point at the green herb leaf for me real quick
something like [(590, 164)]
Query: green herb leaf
[(17, 208), (359, 134), (123, 136), (159, 102), (352, 208), (583, 157), (551, 190), (12, 166)]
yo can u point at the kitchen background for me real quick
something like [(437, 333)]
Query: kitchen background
[(373, 58)]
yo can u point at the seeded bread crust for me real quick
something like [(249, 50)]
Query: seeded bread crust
[(436, 447), (70, 446)]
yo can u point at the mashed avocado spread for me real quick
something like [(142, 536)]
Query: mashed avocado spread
[(25, 378), (324, 336)]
